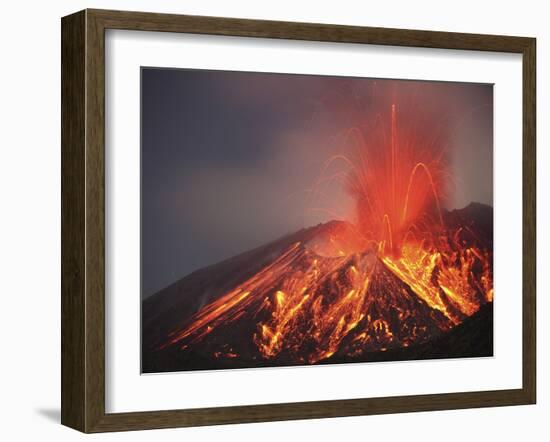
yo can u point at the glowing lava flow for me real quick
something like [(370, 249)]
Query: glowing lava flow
[(308, 307), (454, 281), (398, 276)]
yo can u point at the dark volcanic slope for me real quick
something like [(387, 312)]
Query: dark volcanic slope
[(476, 219), (170, 307), (472, 338)]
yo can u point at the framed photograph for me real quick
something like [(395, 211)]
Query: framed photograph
[(269, 220)]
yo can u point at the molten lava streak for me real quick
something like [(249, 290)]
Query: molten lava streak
[(400, 275)]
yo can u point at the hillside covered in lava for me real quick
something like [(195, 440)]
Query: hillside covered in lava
[(324, 295)]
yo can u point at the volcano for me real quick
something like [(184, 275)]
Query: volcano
[(320, 295)]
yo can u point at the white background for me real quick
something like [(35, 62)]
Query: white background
[(30, 221), (128, 391)]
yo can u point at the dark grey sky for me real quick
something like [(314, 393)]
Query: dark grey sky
[(229, 158)]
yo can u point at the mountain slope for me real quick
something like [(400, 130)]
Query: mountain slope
[(302, 300)]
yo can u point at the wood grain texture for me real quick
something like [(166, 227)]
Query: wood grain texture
[(144, 21), (73, 350), (529, 220), (83, 220), (95, 222)]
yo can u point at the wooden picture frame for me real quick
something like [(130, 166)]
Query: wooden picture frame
[(83, 220)]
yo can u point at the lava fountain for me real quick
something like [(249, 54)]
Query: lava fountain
[(397, 179)]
